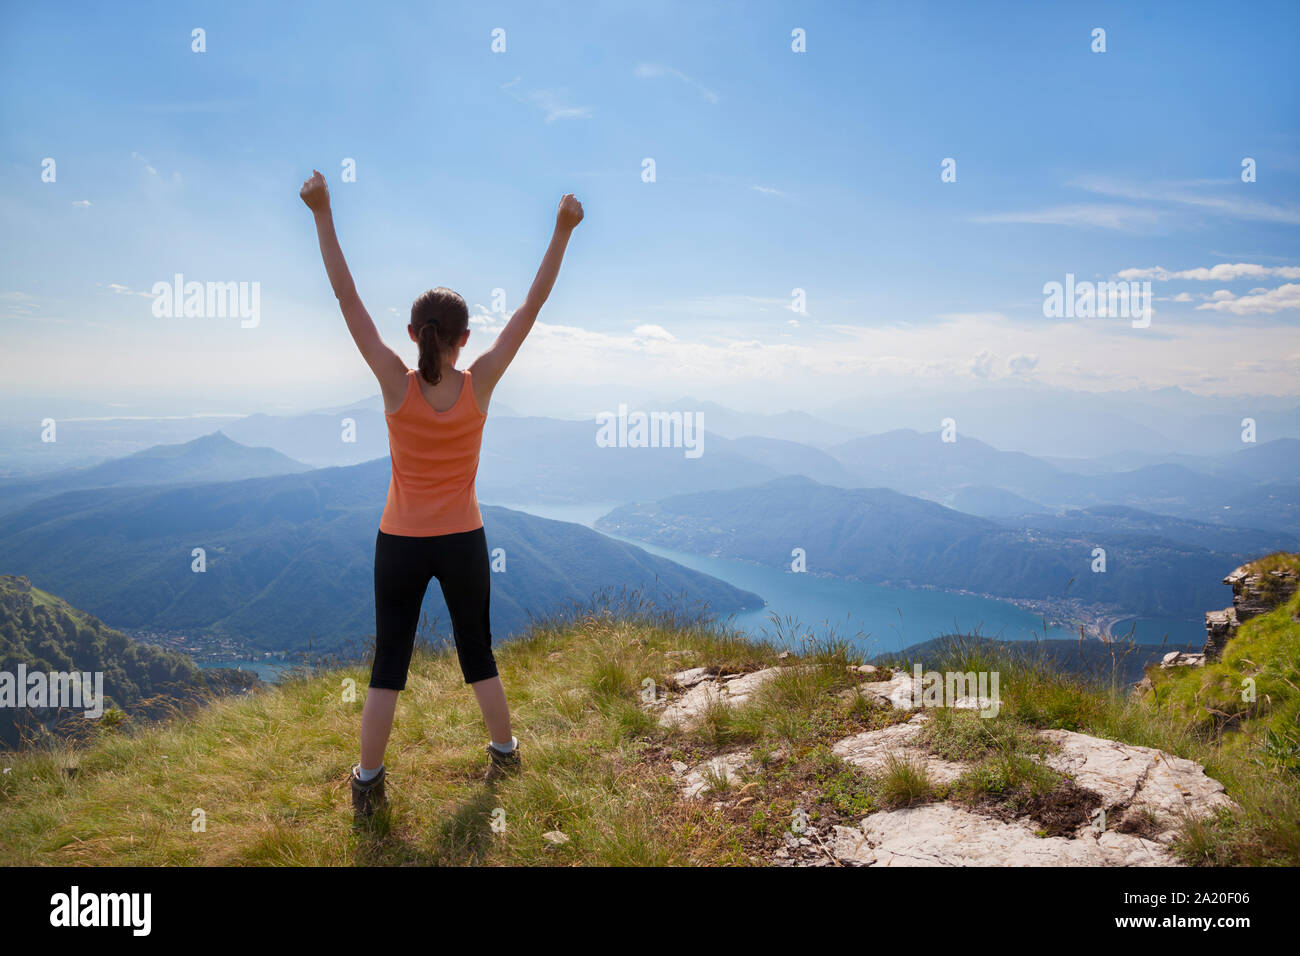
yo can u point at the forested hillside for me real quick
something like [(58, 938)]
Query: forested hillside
[(46, 634)]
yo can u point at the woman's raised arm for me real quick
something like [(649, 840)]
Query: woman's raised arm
[(491, 365), (387, 365)]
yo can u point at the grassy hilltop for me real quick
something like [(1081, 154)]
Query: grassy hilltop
[(268, 769)]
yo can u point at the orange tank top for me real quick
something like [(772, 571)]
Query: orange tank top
[(435, 459)]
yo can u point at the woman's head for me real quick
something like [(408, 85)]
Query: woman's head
[(440, 325)]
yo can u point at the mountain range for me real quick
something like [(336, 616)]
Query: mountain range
[(556, 460), (884, 537), (289, 559), (1046, 421), (289, 548), (213, 457)]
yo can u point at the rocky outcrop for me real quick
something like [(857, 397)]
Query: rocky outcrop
[(1182, 659), (702, 691), (1220, 627), (1136, 782), (1254, 592), (874, 750), (940, 834), (1117, 805), (898, 692), (1145, 797), (712, 775), (1174, 660)]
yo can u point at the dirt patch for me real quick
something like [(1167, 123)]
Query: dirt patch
[(1059, 813), (1063, 811), (1139, 822)]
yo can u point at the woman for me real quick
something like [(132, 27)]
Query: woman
[(431, 526)]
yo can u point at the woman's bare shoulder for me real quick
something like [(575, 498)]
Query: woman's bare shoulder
[(482, 389), (394, 391)]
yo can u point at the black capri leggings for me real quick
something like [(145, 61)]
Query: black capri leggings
[(403, 567)]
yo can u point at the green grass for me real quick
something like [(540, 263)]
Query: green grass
[(1269, 585), (269, 770), (904, 783), (1252, 745), (1251, 694)]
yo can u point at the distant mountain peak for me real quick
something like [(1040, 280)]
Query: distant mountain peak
[(214, 439)]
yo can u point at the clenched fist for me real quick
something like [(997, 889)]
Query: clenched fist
[(316, 194), (569, 214)]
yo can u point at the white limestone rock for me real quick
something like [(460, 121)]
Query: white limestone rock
[(871, 751), (704, 692), (940, 834), (898, 692), (691, 677), (699, 780), (1141, 778)]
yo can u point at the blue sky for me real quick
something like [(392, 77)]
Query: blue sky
[(775, 170)]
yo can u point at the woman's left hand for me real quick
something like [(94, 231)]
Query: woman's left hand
[(315, 192)]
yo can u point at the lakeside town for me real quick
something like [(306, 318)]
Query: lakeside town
[(215, 651)]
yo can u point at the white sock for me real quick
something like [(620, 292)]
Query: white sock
[(365, 776), (504, 748)]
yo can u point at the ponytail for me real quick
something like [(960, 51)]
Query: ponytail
[(439, 318), (430, 353)]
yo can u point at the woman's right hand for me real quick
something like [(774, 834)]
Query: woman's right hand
[(569, 214)]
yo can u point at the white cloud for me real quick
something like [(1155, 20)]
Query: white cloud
[(554, 104), (956, 348), (1154, 204), (1223, 272), (145, 163), (81, 203), (981, 364), (486, 320), (1256, 302), (119, 289), (17, 304), (1097, 215), (1184, 194), (1254, 354), (1022, 364), (654, 332), (655, 70), (974, 317)]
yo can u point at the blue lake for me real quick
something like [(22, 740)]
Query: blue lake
[(268, 671), (878, 618), (1179, 635)]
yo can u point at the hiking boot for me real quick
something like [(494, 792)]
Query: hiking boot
[(369, 796), (501, 765)]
